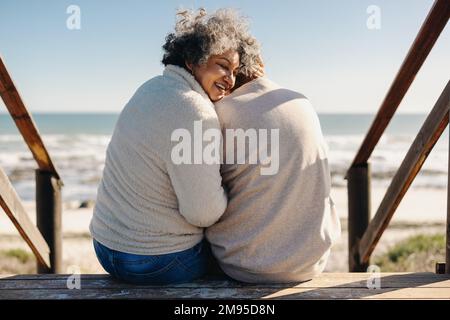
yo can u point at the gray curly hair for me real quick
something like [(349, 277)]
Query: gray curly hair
[(199, 35)]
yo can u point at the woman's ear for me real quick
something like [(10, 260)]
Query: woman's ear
[(190, 67)]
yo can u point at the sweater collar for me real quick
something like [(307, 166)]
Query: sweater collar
[(182, 74)]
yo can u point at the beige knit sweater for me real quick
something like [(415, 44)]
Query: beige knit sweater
[(146, 204), (276, 228)]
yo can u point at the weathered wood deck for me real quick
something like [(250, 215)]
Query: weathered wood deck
[(325, 286)]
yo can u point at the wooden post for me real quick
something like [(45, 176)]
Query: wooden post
[(358, 213), (48, 210), (447, 238)]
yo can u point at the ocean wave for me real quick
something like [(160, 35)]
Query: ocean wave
[(80, 160)]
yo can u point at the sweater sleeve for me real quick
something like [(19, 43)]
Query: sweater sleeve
[(198, 187)]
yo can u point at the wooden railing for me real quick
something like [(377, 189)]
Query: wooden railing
[(364, 236), (45, 240)]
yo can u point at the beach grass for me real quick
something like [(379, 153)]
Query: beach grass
[(19, 254), (418, 253), (16, 261)]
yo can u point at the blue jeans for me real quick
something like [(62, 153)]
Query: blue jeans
[(161, 269)]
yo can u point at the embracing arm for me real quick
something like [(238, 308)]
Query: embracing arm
[(198, 187)]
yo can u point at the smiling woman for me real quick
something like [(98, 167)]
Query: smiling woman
[(218, 75), (214, 49)]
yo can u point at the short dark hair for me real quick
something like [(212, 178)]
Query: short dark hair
[(189, 48), (197, 36)]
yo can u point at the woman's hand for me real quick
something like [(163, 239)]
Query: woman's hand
[(259, 70), (256, 72)]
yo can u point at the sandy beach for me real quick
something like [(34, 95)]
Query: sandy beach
[(423, 211)]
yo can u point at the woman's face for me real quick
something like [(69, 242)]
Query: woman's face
[(217, 76)]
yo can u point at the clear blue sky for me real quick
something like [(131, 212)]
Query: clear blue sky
[(320, 48)]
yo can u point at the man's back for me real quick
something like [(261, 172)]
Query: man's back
[(280, 221)]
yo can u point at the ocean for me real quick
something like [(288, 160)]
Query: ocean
[(77, 144)]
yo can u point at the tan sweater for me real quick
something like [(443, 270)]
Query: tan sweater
[(146, 204), (276, 228)]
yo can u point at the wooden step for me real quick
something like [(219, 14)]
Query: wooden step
[(325, 286)]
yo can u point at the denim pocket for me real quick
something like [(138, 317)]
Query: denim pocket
[(134, 259), (147, 267), (193, 267)]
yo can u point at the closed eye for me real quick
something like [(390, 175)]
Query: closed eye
[(222, 66), (234, 72)]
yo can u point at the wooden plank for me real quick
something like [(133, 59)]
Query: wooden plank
[(326, 276), (358, 293), (327, 280), (229, 293), (11, 204), (24, 121), (428, 34), (428, 135)]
